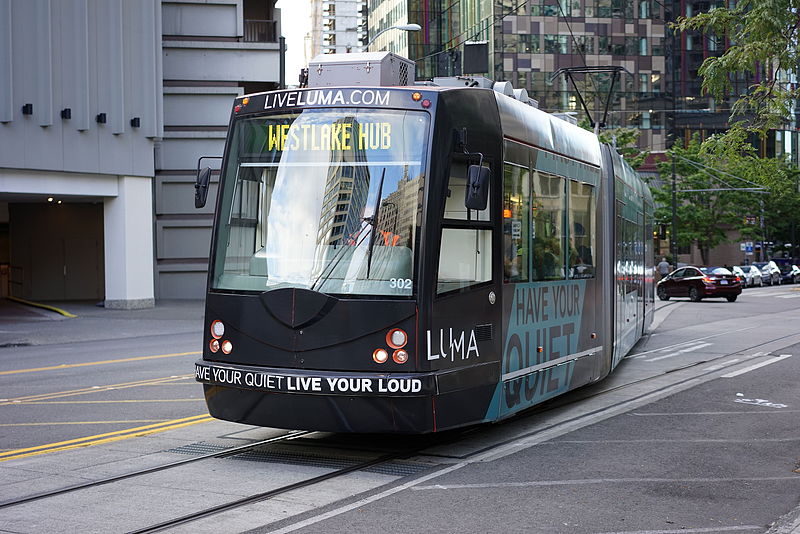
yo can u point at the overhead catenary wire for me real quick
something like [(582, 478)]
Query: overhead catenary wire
[(706, 168)]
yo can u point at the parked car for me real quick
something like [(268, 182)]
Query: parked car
[(790, 274), (751, 275), (698, 284), (770, 272)]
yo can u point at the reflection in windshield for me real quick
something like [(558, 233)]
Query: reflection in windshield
[(300, 196)]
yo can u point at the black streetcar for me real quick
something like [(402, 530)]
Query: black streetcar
[(415, 258)]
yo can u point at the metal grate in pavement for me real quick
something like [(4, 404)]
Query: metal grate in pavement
[(392, 468)]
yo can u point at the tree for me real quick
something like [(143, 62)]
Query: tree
[(723, 186), (703, 215), (763, 37), (623, 139)]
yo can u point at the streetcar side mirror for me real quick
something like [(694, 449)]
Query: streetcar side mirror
[(201, 187), (477, 187)]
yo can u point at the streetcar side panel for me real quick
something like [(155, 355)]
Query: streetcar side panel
[(460, 317)]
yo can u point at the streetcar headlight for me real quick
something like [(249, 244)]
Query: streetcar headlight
[(400, 356), (217, 329), (227, 347), (214, 345), (380, 355), (396, 338)]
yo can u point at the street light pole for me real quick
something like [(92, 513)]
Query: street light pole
[(404, 27), (673, 236)]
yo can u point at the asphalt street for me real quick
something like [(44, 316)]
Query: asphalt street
[(696, 432)]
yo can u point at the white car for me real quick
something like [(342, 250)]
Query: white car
[(770, 272), (751, 276)]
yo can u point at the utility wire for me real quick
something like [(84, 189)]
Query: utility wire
[(706, 168), (580, 52)]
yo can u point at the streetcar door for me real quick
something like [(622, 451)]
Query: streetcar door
[(466, 309)]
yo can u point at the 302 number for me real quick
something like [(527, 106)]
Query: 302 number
[(400, 283)]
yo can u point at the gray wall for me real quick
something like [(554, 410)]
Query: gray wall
[(206, 64), (78, 55)]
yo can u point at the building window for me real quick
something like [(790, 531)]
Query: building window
[(631, 46), (658, 46), (604, 45), (643, 83), (584, 44), (529, 44), (655, 82), (556, 44)]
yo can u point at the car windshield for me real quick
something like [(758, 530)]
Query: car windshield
[(745, 268), (322, 199), (760, 265), (715, 270), (785, 268)]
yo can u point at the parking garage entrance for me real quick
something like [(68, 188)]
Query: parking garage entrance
[(56, 251)]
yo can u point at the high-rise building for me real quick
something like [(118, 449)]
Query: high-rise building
[(528, 42), (337, 26), (699, 114), (659, 91)]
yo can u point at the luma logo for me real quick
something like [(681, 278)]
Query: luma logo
[(446, 344)]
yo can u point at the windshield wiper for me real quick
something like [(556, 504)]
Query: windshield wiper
[(374, 222), (337, 258)]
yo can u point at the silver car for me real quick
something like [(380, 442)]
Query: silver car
[(770, 272), (751, 276)]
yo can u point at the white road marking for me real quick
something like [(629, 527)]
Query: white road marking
[(587, 481), (683, 414), (678, 352), (721, 365), (690, 530), (757, 366), (684, 343)]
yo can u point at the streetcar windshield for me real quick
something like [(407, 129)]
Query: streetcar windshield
[(322, 199)]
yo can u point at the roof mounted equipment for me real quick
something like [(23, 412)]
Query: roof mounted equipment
[(365, 68)]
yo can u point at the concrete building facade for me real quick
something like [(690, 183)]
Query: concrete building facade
[(338, 26), (105, 108)]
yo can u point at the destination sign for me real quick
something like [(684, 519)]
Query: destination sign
[(327, 97), (336, 136), (278, 382)]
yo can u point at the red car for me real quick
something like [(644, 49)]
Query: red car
[(699, 283)]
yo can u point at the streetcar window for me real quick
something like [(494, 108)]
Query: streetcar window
[(323, 199), (581, 230), (465, 254), (547, 231), (465, 258), (516, 209), (457, 191)]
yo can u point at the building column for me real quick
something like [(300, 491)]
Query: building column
[(128, 222)]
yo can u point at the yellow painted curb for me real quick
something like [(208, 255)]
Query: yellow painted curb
[(45, 306)]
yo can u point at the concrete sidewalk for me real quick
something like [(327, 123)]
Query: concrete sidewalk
[(28, 325)]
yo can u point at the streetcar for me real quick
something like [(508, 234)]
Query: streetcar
[(391, 257)]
